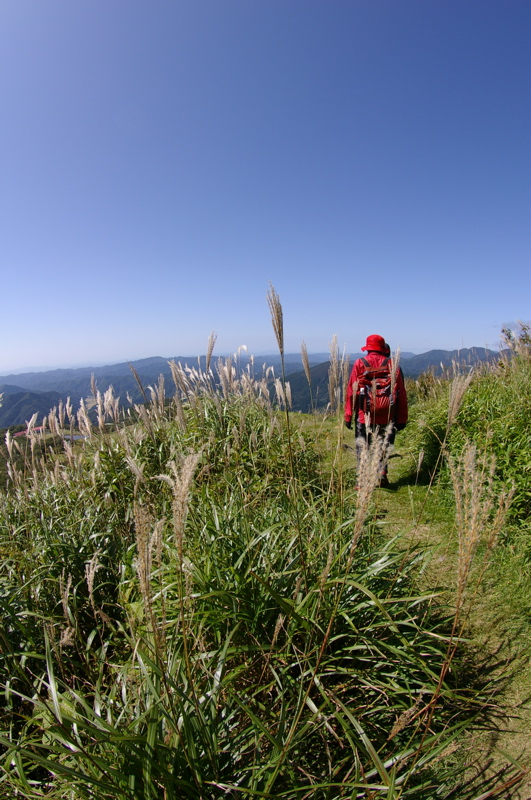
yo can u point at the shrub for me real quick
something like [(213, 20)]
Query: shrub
[(496, 415)]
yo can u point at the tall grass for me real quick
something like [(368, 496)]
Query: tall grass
[(187, 613)]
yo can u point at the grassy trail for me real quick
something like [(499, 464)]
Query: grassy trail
[(497, 625)]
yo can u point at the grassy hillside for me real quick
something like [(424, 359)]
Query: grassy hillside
[(198, 603)]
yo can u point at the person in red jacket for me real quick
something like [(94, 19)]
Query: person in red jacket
[(377, 355)]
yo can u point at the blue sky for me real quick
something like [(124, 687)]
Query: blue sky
[(162, 162)]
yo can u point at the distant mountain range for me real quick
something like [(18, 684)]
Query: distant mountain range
[(25, 394), (412, 366)]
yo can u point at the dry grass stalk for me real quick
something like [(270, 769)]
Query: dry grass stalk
[(370, 459), (458, 389), (180, 482), (210, 349), (227, 376), (345, 373), (518, 342), (70, 411), (31, 424), (179, 381), (178, 376), (146, 420), (281, 394), (64, 591), (9, 443), (405, 718), (68, 637), (306, 363), (158, 399), (139, 382), (419, 463), (143, 526), (69, 452), (111, 405), (83, 420), (249, 387), (14, 475), (333, 375), (100, 411), (287, 391), (51, 421), (395, 365), (61, 414), (475, 500), (278, 627), (298, 584), (179, 411), (90, 573), (277, 319), (161, 394), (329, 561)]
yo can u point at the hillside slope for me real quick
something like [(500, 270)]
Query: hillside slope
[(16, 408)]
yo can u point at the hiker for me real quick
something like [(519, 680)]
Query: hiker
[(376, 398)]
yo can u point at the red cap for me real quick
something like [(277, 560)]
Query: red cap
[(375, 342)]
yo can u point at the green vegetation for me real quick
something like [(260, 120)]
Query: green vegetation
[(197, 603)]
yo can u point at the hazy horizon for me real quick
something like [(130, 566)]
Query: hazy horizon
[(109, 363)]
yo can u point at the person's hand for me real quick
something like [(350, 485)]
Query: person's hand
[(348, 424)]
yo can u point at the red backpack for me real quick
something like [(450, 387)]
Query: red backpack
[(375, 395)]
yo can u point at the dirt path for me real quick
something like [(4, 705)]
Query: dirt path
[(499, 640)]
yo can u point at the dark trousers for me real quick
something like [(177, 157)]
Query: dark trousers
[(367, 434)]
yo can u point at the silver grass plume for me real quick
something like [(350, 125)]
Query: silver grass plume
[(61, 414), (100, 411), (146, 419), (161, 395), (180, 482), (345, 373), (64, 592), (279, 393), (283, 394), (395, 364), (83, 420), (149, 540), (277, 320), (181, 387), (475, 501), (31, 424), (333, 374), (458, 389), (139, 382), (70, 412), (287, 390), (143, 525), (91, 567), (370, 460), (306, 362), (9, 443), (210, 349)]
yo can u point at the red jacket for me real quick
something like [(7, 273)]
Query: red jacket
[(375, 359)]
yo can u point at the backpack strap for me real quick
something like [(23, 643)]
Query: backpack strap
[(384, 363)]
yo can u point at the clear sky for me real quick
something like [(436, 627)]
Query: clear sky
[(162, 161)]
